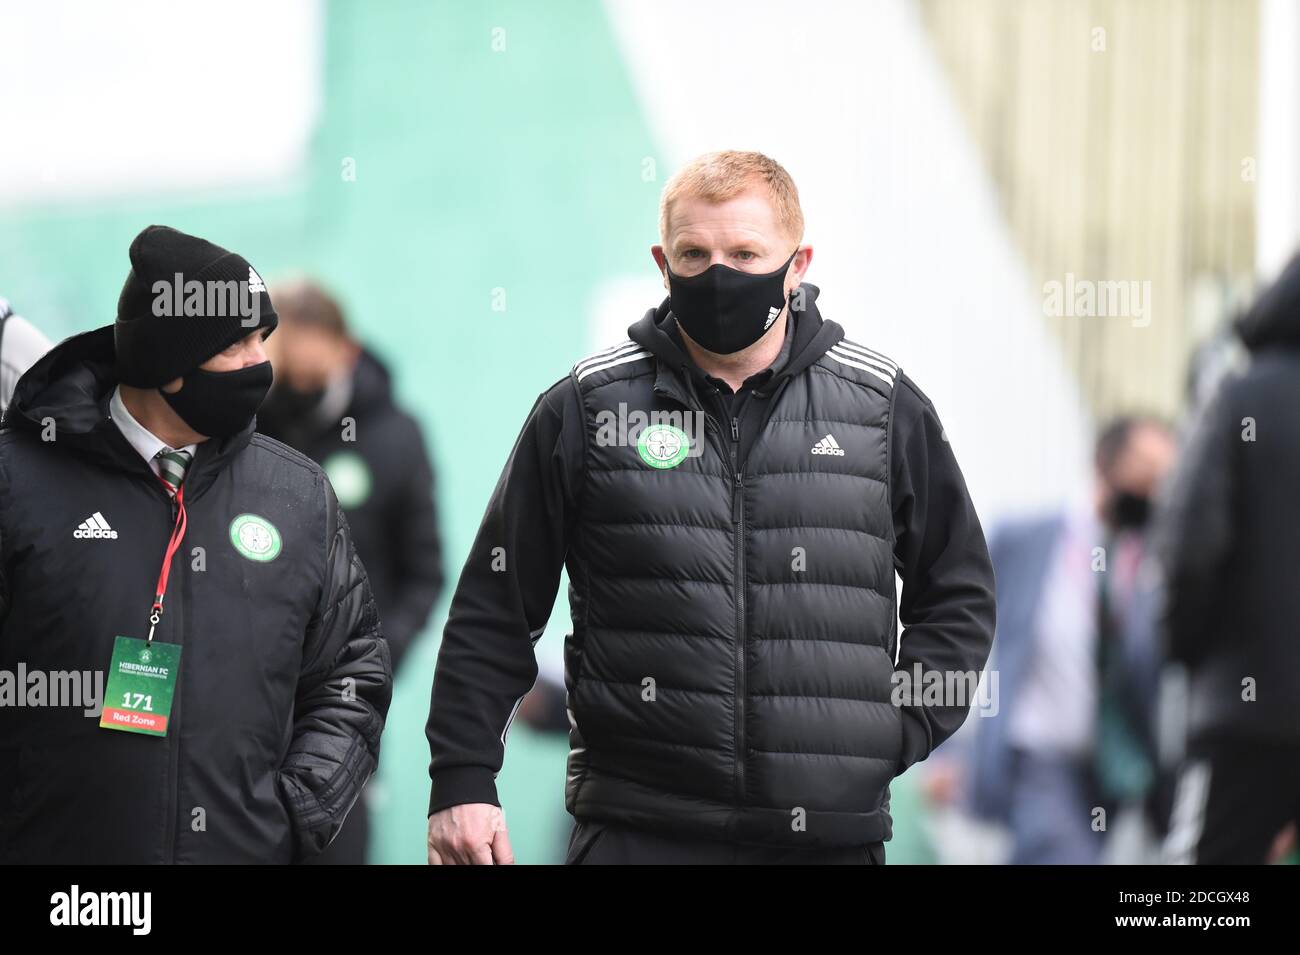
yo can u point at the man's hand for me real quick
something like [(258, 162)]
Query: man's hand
[(470, 834)]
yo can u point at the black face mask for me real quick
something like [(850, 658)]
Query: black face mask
[(221, 403), (723, 309), (1128, 511)]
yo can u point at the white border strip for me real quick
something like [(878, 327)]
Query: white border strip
[(600, 356), (622, 360), (845, 360), (867, 352)]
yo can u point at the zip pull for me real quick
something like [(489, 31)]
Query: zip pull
[(737, 498), (735, 429)]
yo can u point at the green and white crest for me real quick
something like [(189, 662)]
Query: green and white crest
[(350, 476), (663, 446), (255, 537)]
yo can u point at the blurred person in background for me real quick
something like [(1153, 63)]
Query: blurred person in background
[(142, 516), (1077, 654), (1229, 541), (20, 345), (741, 560), (333, 401)]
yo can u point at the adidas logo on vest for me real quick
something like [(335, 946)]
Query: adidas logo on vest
[(828, 445), (95, 527)]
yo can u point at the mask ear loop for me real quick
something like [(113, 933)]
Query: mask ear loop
[(789, 298)]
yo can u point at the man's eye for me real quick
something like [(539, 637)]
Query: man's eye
[(692, 254), (744, 256)]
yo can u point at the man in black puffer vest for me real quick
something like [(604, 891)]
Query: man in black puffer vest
[(732, 490), (204, 572)]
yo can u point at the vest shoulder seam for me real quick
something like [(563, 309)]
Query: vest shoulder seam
[(279, 448), (589, 389)]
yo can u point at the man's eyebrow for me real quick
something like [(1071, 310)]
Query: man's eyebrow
[(751, 243)]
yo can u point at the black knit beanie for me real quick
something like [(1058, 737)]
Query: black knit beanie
[(163, 332)]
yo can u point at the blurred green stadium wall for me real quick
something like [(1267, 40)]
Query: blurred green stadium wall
[(467, 154), (477, 168)]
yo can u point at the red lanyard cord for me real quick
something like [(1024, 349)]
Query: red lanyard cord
[(178, 532)]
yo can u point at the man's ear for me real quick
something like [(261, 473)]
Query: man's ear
[(799, 267), (173, 386), (802, 260), (661, 260)]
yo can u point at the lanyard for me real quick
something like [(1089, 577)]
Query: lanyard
[(173, 544)]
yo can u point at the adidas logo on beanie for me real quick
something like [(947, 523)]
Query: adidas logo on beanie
[(152, 348)]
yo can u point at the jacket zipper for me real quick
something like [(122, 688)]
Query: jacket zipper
[(738, 524), (736, 480)]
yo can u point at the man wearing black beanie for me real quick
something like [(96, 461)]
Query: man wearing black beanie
[(192, 649)]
